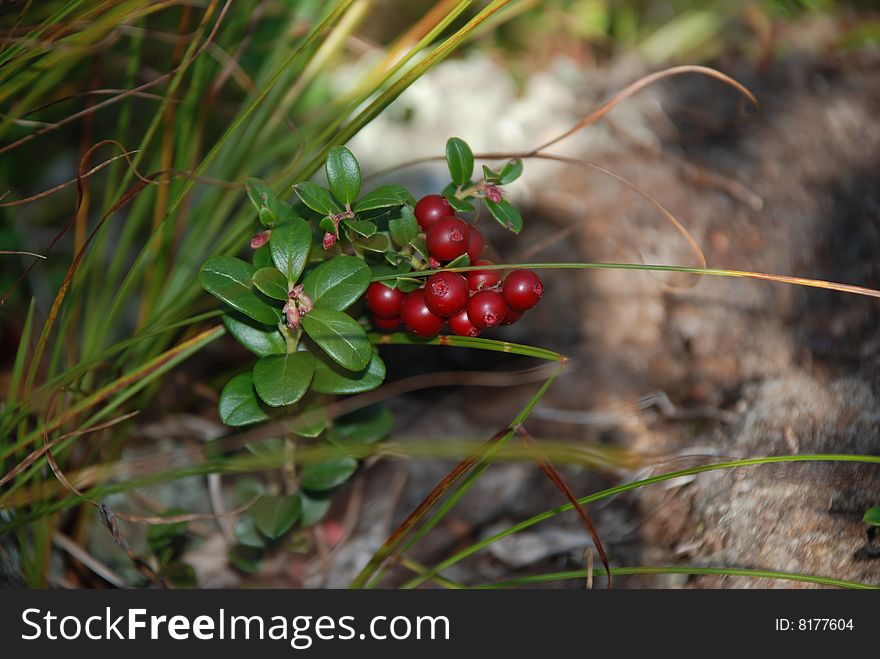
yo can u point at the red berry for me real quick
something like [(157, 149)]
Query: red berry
[(386, 324), (486, 309), (480, 280), (448, 238), (383, 301), (522, 290), (512, 316), (475, 243), (417, 317), (446, 293), (461, 325), (431, 208)]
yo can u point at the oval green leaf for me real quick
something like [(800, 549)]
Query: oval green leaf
[(283, 379), (290, 244), (314, 509), (343, 174), (269, 281), (872, 516), (339, 335), (274, 516), (337, 283), (404, 229), (327, 475), (367, 425), (317, 198), (460, 159), (385, 196), (260, 339), (239, 405), (506, 214), (246, 532), (229, 279), (330, 378)]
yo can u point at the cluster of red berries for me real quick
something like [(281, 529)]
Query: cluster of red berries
[(469, 303)]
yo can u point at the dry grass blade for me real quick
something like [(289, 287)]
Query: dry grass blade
[(559, 482)]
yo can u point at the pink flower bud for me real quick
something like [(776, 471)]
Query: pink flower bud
[(305, 303), (292, 315), (260, 239), (434, 263), (329, 240), (493, 193)]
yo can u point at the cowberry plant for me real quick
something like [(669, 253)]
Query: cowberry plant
[(326, 267)]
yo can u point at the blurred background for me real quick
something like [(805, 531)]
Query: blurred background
[(665, 373)]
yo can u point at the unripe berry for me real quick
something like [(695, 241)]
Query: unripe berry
[(432, 208), (385, 324), (522, 290), (486, 309), (480, 280), (461, 325), (447, 238), (417, 317), (383, 301), (475, 243), (446, 293)]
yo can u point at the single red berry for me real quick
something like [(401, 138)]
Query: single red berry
[(431, 208), (475, 243), (486, 309), (448, 238), (383, 301), (461, 325), (446, 293), (386, 324), (480, 280), (522, 290), (417, 317), (512, 316)]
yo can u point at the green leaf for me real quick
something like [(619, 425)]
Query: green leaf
[(367, 425), (262, 257), (363, 228), (490, 176), (330, 378), (229, 279), (269, 451), (283, 379), (261, 340), (314, 509), (382, 270), (511, 171), (381, 242), (274, 516), (290, 244), (327, 475), (460, 159), (239, 405), (385, 196), (317, 198), (506, 214), (343, 174), (421, 247), (337, 283), (404, 229), (339, 335), (271, 282), (314, 421), (460, 205), (247, 489), (246, 532), (246, 559), (459, 261), (270, 209), (872, 516), (408, 284)]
